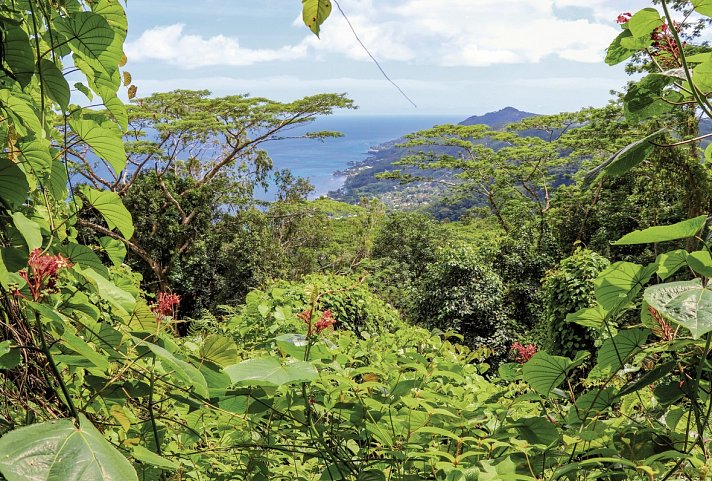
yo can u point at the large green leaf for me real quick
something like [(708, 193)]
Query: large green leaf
[(537, 430), (270, 371), (13, 183), (91, 37), (84, 256), (617, 51), (701, 263), (588, 317), (664, 233), (652, 376), (616, 351), (626, 158), (55, 84), (314, 13), (104, 139), (115, 249), (18, 53), (59, 451), (644, 22), (620, 283), (686, 303), (18, 107), (188, 374), (122, 301), (644, 99), (36, 156), (670, 262), (143, 319), (218, 349), (58, 180), (77, 344), (111, 207), (545, 372), (29, 230), (703, 7)]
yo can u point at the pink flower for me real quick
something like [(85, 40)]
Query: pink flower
[(325, 321), (42, 272), (623, 18), (523, 353), (166, 304)]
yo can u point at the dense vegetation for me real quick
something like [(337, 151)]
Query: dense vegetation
[(158, 323)]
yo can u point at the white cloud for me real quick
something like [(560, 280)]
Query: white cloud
[(170, 44), (459, 33)]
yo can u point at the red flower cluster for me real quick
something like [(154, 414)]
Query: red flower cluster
[(326, 321), (42, 272), (166, 304), (523, 353), (623, 17), (666, 50), (665, 330)]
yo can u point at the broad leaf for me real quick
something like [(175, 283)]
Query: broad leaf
[(36, 156), (91, 37), (648, 378), (103, 139), (143, 319), (78, 345), (13, 183), (703, 7), (618, 51), (29, 229), (59, 451), (626, 158), (18, 107), (219, 350), (644, 99), (537, 430), (644, 22), (664, 233), (687, 303), (670, 262), (700, 262), (84, 256), (189, 375), (592, 317), (314, 13), (616, 351), (270, 371), (111, 207), (18, 53), (591, 404), (55, 84), (115, 249), (58, 181), (545, 372), (121, 300), (9, 356), (620, 283), (145, 456)]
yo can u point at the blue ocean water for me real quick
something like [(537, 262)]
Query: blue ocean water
[(317, 160)]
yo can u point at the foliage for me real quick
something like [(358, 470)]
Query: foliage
[(567, 289)]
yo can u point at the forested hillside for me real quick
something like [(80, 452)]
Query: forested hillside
[(544, 313)]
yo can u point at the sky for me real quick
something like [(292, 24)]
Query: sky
[(461, 57)]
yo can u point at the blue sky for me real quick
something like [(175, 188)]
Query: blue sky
[(459, 57)]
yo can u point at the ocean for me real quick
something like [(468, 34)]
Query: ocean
[(317, 160)]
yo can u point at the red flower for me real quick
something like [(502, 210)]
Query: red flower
[(523, 353), (623, 18), (166, 304), (42, 272), (327, 320)]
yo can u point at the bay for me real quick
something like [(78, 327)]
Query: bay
[(318, 160)]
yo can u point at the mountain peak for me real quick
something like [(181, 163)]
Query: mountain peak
[(499, 119)]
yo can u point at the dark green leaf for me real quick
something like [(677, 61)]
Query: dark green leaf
[(544, 372), (664, 233), (625, 159)]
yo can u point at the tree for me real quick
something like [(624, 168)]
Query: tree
[(195, 144)]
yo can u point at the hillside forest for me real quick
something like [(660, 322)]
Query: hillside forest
[(523, 300)]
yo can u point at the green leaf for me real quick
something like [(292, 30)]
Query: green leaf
[(115, 249), (57, 450), (78, 345), (219, 350), (143, 455), (592, 317), (186, 372), (118, 110), (686, 303), (644, 99), (270, 371), (84, 256), (591, 404), (620, 50), (30, 230), (36, 155), (670, 262), (314, 13), (91, 37), (537, 430), (9, 357), (625, 159), (620, 283), (650, 377), (644, 22), (13, 183), (544, 372), (664, 233), (702, 76), (700, 262), (111, 207), (55, 84), (107, 290), (615, 351), (58, 181), (85, 90), (18, 53), (103, 139), (18, 107), (703, 7), (143, 319)]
